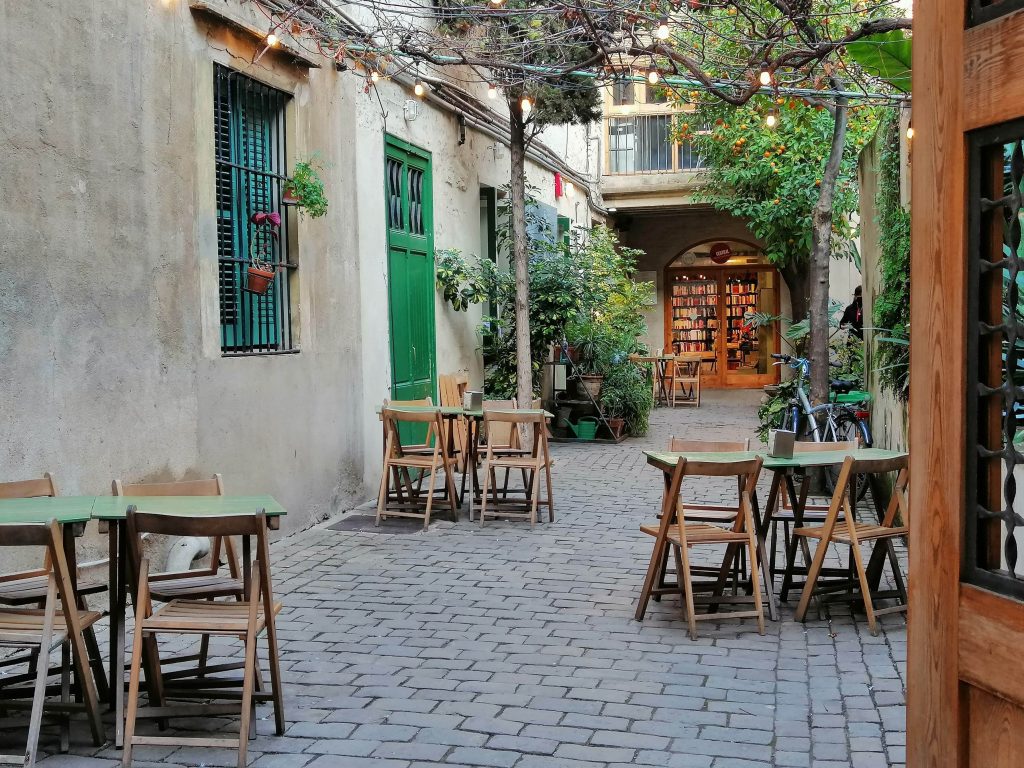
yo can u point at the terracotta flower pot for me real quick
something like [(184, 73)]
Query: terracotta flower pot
[(290, 198), (617, 425), (259, 280)]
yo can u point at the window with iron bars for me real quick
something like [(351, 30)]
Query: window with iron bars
[(251, 162)]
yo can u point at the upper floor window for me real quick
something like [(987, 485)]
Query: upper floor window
[(250, 157)]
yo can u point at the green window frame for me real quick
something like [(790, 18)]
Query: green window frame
[(250, 151)]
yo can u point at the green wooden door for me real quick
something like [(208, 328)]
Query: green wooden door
[(410, 222)]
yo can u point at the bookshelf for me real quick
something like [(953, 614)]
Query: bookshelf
[(694, 318)]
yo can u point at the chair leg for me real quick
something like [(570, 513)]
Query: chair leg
[(276, 685), (812, 578), (488, 473), (756, 568), (247, 702), (551, 497), (658, 555), (86, 686), (385, 489), (39, 692), (65, 696), (684, 577), (865, 588), (133, 695)]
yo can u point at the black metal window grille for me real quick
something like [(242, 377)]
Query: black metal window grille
[(250, 156), (995, 360), (980, 11)]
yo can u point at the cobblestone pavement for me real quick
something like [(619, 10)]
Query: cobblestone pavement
[(508, 647)]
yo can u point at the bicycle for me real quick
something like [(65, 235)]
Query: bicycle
[(844, 418)]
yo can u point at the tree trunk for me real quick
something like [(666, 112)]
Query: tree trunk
[(520, 258), (794, 274), (821, 254)]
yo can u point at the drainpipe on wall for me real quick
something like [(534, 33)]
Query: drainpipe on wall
[(185, 551)]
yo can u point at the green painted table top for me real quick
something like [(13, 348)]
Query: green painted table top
[(666, 460), (116, 507), (66, 510)]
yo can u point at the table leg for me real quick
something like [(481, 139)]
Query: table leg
[(118, 606), (878, 554)]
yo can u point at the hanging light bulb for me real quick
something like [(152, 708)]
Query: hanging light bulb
[(497, 3), (272, 39), (772, 118), (374, 76), (662, 31), (765, 78), (420, 89), (653, 77), (492, 91), (910, 132), (526, 105)]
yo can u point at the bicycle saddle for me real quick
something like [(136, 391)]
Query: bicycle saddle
[(842, 386)]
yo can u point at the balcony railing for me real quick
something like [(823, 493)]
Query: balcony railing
[(643, 144)]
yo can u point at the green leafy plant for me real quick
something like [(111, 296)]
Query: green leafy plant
[(461, 284), (307, 188), (886, 56), (773, 407), (892, 304), (627, 393)]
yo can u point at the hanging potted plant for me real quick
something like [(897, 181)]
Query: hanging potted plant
[(261, 251), (305, 189)]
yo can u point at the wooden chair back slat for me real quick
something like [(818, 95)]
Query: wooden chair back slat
[(512, 416), (213, 486), (24, 535), (744, 467), (804, 446), (397, 414), (29, 489), (169, 524), (681, 445), (501, 433)]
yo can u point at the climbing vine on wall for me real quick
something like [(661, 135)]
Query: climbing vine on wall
[(892, 304)]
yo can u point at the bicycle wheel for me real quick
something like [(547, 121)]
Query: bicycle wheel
[(848, 429)]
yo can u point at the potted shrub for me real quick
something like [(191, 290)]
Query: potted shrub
[(591, 345), (261, 251), (305, 189)]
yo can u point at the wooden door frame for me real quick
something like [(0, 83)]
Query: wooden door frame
[(964, 79), (721, 272)]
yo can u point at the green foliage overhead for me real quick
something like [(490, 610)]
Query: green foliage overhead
[(892, 304), (886, 56), (772, 176)]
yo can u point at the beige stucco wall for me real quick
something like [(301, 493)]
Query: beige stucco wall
[(109, 327)]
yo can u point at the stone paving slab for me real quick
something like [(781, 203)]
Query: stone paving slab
[(515, 648)]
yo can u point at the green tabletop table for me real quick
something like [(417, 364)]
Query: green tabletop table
[(113, 511), (783, 469), (115, 508), (66, 510), (473, 418)]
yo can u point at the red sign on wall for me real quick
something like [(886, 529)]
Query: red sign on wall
[(720, 253)]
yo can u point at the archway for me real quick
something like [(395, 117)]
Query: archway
[(719, 296)]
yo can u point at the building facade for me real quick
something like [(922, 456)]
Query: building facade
[(139, 141)]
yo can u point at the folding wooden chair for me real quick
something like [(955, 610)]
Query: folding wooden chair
[(245, 619), (851, 533), (196, 583), (450, 388), (675, 533), (718, 514), (26, 588), (57, 623), (399, 460), (784, 515), (685, 380), (531, 462)]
